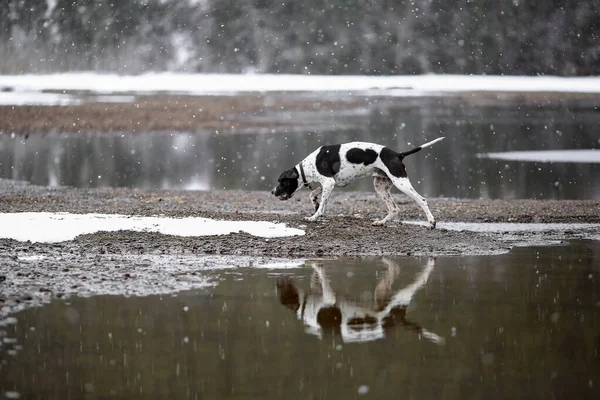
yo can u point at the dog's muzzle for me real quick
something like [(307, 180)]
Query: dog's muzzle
[(283, 196)]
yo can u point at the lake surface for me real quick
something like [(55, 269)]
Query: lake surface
[(253, 159), (521, 325)]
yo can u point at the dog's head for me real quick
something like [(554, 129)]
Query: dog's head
[(288, 183)]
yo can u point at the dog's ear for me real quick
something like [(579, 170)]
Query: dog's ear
[(288, 294), (290, 174)]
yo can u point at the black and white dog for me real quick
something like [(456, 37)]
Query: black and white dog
[(341, 164), (324, 312)]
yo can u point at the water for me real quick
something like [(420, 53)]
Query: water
[(253, 159), (521, 325)]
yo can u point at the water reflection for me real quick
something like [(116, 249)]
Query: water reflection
[(325, 313), (253, 159)]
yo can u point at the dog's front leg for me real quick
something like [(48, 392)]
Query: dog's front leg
[(314, 197), (325, 290), (326, 189)]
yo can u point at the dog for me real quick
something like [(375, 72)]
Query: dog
[(341, 164), (325, 313)]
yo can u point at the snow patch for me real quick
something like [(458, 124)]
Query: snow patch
[(31, 258), (499, 227), (58, 227), (566, 156), (35, 98), (397, 85)]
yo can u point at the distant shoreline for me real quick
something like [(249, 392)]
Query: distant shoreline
[(139, 113)]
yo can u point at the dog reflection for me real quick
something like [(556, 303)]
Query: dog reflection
[(324, 313)]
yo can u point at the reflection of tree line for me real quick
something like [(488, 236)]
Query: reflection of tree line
[(145, 160)]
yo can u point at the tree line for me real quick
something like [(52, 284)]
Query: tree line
[(553, 37)]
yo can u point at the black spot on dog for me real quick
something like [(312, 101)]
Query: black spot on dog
[(289, 174), (393, 162), (328, 160), (367, 320), (395, 316), (330, 320), (360, 156)]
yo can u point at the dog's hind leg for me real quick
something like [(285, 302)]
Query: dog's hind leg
[(327, 187), (383, 291), (382, 185), (404, 185), (314, 197)]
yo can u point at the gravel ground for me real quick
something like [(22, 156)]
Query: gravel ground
[(345, 231)]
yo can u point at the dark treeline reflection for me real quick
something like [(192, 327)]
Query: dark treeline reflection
[(253, 160), (522, 325), (557, 37)]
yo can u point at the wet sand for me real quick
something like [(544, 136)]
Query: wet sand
[(344, 231)]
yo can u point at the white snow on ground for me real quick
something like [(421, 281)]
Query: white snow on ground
[(33, 98), (397, 85), (58, 227), (569, 156), (498, 227), (199, 262)]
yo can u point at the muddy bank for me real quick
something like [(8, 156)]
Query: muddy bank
[(34, 275), (348, 207), (345, 231)]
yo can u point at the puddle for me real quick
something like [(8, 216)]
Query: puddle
[(524, 324), (59, 227), (500, 227), (560, 156)]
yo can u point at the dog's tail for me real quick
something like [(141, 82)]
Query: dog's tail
[(416, 149)]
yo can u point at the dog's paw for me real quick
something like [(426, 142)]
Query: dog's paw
[(431, 225), (378, 223), (310, 219)]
